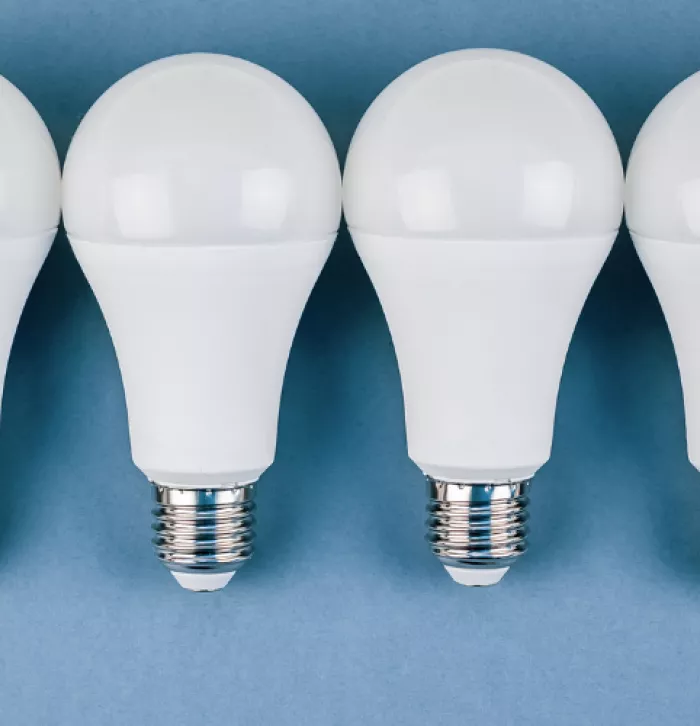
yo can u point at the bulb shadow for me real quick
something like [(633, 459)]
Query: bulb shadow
[(308, 481), (36, 395), (59, 410), (599, 428), (650, 410), (635, 493), (342, 488)]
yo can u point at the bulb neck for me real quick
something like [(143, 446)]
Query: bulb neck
[(477, 527), (203, 531)]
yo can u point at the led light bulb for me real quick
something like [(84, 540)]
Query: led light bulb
[(662, 207), (30, 204), (483, 191), (202, 197)]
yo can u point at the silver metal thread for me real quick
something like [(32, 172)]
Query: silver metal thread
[(202, 531), (477, 525)]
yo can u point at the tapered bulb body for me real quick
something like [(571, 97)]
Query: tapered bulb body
[(662, 208), (202, 198), (30, 202), (483, 191)]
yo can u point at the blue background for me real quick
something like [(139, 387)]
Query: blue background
[(344, 617)]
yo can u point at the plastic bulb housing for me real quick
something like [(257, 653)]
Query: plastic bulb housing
[(662, 208), (30, 207), (202, 197), (483, 191)]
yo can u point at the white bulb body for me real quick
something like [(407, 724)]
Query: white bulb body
[(483, 191), (201, 198), (202, 335), (481, 330)]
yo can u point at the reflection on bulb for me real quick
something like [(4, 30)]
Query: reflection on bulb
[(201, 198), (548, 194), (142, 206), (483, 191), (662, 205)]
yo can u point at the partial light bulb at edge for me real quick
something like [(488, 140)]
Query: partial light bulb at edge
[(202, 198), (662, 208), (483, 191), (30, 203)]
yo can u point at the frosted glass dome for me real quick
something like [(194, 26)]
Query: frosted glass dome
[(663, 175), (201, 149), (483, 144), (30, 176)]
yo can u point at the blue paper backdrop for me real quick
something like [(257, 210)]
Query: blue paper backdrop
[(344, 617)]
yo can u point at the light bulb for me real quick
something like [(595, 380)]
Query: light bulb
[(202, 197), (483, 191), (30, 204), (662, 208)]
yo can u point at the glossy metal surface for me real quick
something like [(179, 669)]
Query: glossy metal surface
[(477, 525), (203, 530)]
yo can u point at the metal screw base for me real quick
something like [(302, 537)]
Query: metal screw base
[(477, 525), (203, 531)]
